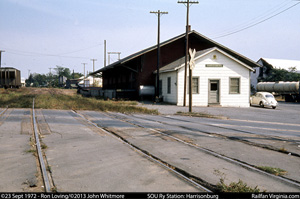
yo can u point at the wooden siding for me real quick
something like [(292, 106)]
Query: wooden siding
[(169, 97), (230, 69), (146, 64)]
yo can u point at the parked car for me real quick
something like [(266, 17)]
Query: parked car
[(263, 99)]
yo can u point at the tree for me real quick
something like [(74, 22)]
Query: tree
[(76, 75), (51, 79), (29, 80), (275, 75), (61, 71)]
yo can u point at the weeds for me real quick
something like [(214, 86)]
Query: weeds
[(31, 151), (237, 187), (49, 169), (282, 149), (274, 171), (56, 99), (206, 115), (44, 146)]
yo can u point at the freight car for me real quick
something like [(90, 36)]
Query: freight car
[(290, 90), (10, 78)]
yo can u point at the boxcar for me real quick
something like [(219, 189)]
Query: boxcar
[(10, 78)]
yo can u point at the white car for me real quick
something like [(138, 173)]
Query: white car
[(263, 99)]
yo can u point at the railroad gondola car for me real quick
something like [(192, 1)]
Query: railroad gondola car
[(10, 78)]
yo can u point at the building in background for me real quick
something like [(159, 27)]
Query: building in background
[(125, 78), (266, 64)]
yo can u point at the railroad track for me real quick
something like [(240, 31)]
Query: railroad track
[(208, 151), (3, 111), (275, 138), (42, 161), (182, 174), (32, 130), (194, 180)]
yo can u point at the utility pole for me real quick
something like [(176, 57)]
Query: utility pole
[(187, 3), (28, 77), (104, 53), (158, 13), (113, 53), (84, 74), (93, 60), (0, 56), (50, 76)]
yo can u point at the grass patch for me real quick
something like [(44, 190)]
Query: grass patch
[(31, 151), (274, 171), (236, 187), (282, 149), (51, 98), (195, 114), (44, 146), (49, 169)]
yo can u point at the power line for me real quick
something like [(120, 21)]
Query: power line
[(257, 18), (30, 53), (33, 54), (81, 49), (256, 23)]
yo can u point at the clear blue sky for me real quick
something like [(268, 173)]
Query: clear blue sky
[(41, 34)]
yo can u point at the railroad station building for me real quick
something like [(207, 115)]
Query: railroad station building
[(126, 77)]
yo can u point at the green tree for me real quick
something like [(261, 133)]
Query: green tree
[(275, 75), (29, 80), (76, 75), (61, 71)]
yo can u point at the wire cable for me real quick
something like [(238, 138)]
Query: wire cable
[(255, 19), (256, 23)]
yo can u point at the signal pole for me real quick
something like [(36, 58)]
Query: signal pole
[(93, 60), (0, 56), (158, 13), (187, 3)]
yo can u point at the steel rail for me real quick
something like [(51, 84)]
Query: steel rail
[(243, 164), (3, 111), (145, 154), (40, 155)]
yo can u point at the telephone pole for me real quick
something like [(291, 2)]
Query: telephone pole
[(93, 60), (84, 73), (158, 13), (0, 56), (104, 53), (187, 3), (50, 77)]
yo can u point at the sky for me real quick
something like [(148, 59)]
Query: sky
[(39, 35)]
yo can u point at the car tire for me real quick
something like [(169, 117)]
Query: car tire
[(261, 105), (273, 107)]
